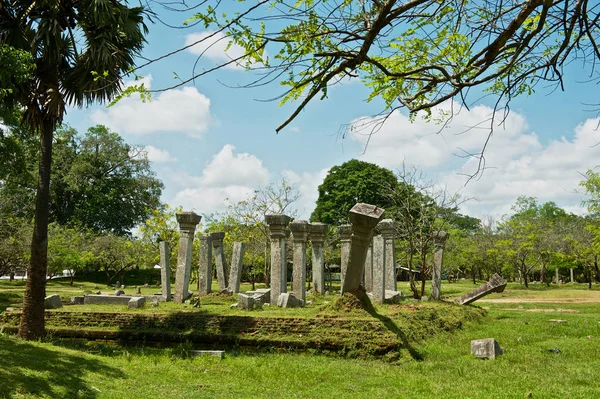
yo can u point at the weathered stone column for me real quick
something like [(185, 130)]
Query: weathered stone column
[(387, 228), (364, 218), (439, 240), (277, 227), (572, 280), (237, 262), (345, 232), (205, 271), (165, 271), (379, 272), (368, 276), (317, 239), (217, 243), (187, 226), (556, 277), (300, 229)]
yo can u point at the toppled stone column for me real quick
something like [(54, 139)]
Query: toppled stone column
[(187, 226), (205, 270), (237, 262), (387, 228), (217, 243), (345, 232), (165, 271), (379, 274), (496, 284), (368, 276), (439, 241), (300, 229), (364, 218), (277, 227), (317, 239)]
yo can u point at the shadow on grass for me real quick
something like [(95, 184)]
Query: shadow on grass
[(27, 369)]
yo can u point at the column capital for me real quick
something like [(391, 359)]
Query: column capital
[(217, 238), (277, 224), (364, 218), (387, 228), (439, 238), (300, 230), (317, 232), (345, 231), (187, 221)]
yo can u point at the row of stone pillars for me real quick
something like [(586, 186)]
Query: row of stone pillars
[(301, 231), (208, 243)]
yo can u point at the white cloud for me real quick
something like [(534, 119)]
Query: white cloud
[(307, 184), (228, 177), (213, 45), (179, 110), (157, 155), (516, 161)]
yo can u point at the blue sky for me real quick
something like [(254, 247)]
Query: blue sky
[(209, 142)]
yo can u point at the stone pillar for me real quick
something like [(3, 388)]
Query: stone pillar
[(556, 276), (379, 272), (217, 243), (205, 271), (237, 262), (277, 228), (364, 218), (387, 228), (345, 232), (317, 239), (572, 280), (187, 226), (368, 276), (300, 229), (165, 270), (439, 240)]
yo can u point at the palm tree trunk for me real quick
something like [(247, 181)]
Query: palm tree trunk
[(32, 318)]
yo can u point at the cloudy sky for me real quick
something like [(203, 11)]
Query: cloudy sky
[(210, 141)]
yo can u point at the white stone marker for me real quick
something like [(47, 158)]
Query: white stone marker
[(277, 227), (439, 240), (187, 226), (165, 271), (205, 269), (300, 229), (237, 262), (317, 239)]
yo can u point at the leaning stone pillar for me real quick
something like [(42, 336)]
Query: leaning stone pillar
[(317, 239), (364, 218), (368, 276), (345, 231), (379, 272), (217, 242), (300, 229), (205, 271), (237, 262), (187, 226), (277, 228), (439, 240), (387, 228), (165, 270)]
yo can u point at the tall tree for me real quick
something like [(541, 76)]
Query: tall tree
[(351, 182), (81, 50)]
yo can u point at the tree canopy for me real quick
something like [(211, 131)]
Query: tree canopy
[(351, 182)]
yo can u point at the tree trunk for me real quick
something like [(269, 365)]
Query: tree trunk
[(32, 318), (525, 280), (589, 273), (473, 272)]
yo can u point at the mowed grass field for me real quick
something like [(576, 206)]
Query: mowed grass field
[(544, 358)]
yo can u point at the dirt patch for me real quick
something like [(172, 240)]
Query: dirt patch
[(542, 300), (543, 310)]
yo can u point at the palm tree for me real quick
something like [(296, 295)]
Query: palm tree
[(81, 49)]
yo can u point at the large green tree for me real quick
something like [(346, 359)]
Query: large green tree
[(351, 182), (81, 50)]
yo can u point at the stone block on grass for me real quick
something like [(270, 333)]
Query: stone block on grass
[(136, 302), (245, 302), (287, 300), (52, 302), (77, 300), (487, 348)]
